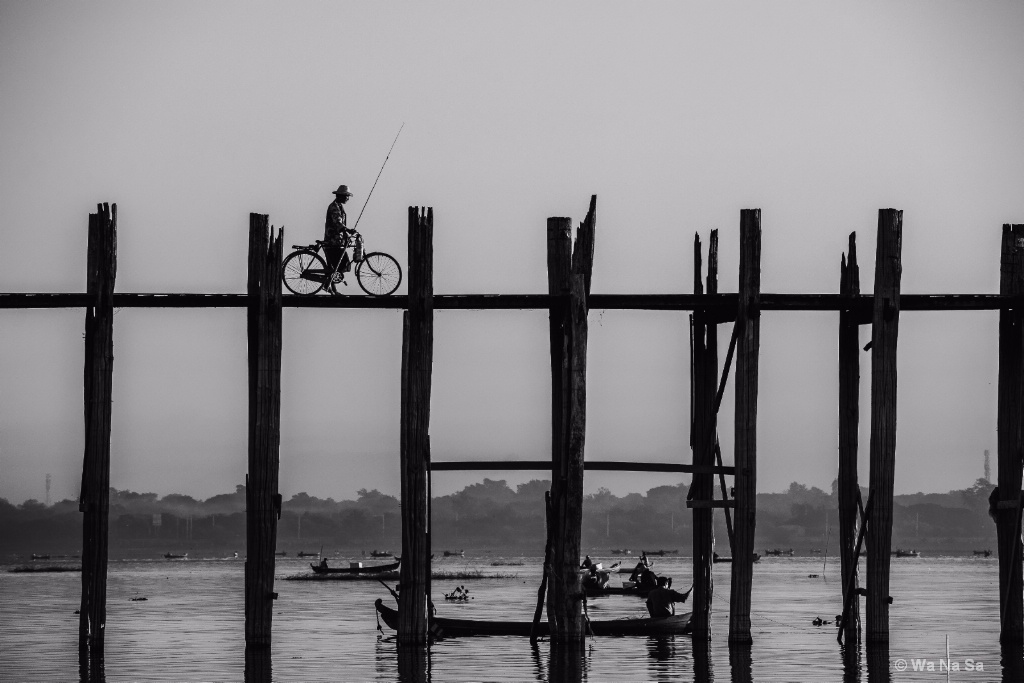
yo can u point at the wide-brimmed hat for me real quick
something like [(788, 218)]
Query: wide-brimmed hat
[(343, 189)]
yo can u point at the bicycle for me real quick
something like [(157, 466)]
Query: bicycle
[(305, 272)]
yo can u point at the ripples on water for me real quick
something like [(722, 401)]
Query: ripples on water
[(190, 627)]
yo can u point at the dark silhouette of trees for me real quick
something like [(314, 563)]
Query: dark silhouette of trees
[(488, 514)]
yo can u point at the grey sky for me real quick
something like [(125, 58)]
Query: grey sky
[(190, 115)]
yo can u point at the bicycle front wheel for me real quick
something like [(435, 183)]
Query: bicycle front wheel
[(379, 274), (304, 273)]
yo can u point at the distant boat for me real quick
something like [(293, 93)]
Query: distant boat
[(899, 552), (40, 557), (379, 553), (305, 554), (454, 553), (718, 558), (984, 553), (454, 628), (281, 553), (659, 553), (359, 569), (172, 556), (623, 551), (777, 552)]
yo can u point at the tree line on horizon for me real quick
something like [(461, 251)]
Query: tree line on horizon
[(488, 515)]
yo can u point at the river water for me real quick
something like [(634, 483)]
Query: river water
[(190, 627)]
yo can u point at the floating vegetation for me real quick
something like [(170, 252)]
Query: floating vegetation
[(460, 594)]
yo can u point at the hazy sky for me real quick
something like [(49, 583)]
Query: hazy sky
[(190, 115)]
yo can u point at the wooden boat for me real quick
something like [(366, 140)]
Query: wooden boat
[(376, 569), (595, 592), (778, 553), (454, 553), (40, 557), (442, 627), (718, 558), (172, 556), (900, 552), (305, 554), (983, 553), (380, 553)]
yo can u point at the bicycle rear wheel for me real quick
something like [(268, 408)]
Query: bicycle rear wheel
[(304, 272), (379, 274)]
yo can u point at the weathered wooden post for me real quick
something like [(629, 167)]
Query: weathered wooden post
[(568, 284), (884, 332), (1007, 497), (703, 379), (849, 421), (101, 264), (417, 362), (262, 500), (748, 323)]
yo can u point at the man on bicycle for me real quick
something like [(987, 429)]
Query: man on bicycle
[(337, 236)]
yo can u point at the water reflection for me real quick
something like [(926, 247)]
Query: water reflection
[(91, 667), (878, 663), (661, 648), (413, 663), (258, 665), (567, 662), (741, 663), (1012, 658), (852, 667), (703, 670)]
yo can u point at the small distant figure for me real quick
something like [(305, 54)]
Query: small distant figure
[(337, 236), (323, 563), (660, 601), (587, 563)]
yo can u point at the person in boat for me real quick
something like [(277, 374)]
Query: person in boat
[(323, 563), (595, 579), (642, 569), (337, 236), (587, 563), (661, 600)]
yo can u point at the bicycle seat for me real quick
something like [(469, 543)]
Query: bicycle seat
[(314, 247)]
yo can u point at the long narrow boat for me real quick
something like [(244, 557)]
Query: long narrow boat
[(376, 569), (454, 628), (595, 592)]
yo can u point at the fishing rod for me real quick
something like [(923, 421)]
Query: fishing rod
[(378, 176)]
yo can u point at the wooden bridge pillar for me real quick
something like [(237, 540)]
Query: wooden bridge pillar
[(95, 497), (417, 363), (1006, 499), (703, 386), (569, 286), (748, 323), (884, 332), (849, 424), (262, 500)]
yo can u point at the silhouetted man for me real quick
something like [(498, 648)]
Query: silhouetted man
[(660, 600), (337, 236)]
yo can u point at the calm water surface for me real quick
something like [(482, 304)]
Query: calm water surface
[(190, 627)]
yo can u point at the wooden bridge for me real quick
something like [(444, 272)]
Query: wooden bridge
[(569, 301)]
